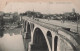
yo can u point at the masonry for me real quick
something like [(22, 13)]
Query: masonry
[(46, 37)]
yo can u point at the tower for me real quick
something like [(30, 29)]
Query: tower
[(73, 10)]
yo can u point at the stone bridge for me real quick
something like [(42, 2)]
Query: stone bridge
[(46, 37)]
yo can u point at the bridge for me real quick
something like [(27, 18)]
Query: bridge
[(47, 37)]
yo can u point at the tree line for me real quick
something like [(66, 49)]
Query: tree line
[(68, 16)]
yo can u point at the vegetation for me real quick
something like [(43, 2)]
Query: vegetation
[(67, 16), (9, 20)]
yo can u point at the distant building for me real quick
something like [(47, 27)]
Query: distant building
[(8, 16)]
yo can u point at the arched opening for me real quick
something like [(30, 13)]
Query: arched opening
[(49, 36), (55, 43), (28, 34), (24, 26), (1, 33), (32, 27), (39, 41)]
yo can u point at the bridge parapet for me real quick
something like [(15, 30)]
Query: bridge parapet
[(72, 38)]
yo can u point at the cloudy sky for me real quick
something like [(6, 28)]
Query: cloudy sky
[(4, 2), (48, 7)]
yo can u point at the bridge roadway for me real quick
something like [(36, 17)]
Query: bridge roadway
[(53, 24), (46, 25), (69, 37), (71, 25)]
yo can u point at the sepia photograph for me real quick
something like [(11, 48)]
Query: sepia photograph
[(39, 26)]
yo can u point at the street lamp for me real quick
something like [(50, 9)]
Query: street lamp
[(76, 15), (77, 24)]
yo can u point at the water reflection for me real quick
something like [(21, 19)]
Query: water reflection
[(1, 32), (9, 31), (9, 28), (1, 27)]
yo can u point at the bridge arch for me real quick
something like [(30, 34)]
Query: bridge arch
[(32, 27), (55, 43), (25, 26), (28, 28), (39, 41), (65, 44), (49, 36), (28, 31)]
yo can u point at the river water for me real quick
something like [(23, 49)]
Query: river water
[(12, 41)]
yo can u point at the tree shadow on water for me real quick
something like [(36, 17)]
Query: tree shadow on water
[(1, 33)]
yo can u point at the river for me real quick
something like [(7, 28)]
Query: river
[(11, 41)]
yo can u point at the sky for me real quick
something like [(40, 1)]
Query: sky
[(4, 2), (45, 8)]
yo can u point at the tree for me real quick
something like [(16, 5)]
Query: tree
[(15, 17), (1, 18)]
